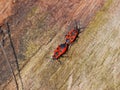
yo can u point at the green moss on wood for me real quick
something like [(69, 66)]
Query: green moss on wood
[(31, 49)]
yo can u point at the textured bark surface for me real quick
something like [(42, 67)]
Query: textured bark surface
[(5, 9), (38, 26)]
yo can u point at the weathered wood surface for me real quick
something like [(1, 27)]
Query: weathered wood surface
[(5, 9), (92, 62)]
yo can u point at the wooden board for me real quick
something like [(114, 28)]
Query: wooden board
[(92, 63)]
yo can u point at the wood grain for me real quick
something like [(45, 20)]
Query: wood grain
[(93, 60)]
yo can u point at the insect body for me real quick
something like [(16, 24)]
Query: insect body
[(71, 36), (59, 51)]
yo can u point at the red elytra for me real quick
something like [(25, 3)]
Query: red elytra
[(71, 36), (59, 51)]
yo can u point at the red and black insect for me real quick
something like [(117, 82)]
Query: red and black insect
[(59, 51), (70, 37), (72, 34)]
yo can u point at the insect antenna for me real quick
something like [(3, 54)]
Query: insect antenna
[(15, 55), (51, 59), (76, 27), (59, 61)]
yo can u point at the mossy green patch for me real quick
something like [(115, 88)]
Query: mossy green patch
[(31, 48), (98, 21), (32, 12), (100, 18), (41, 21), (107, 5)]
